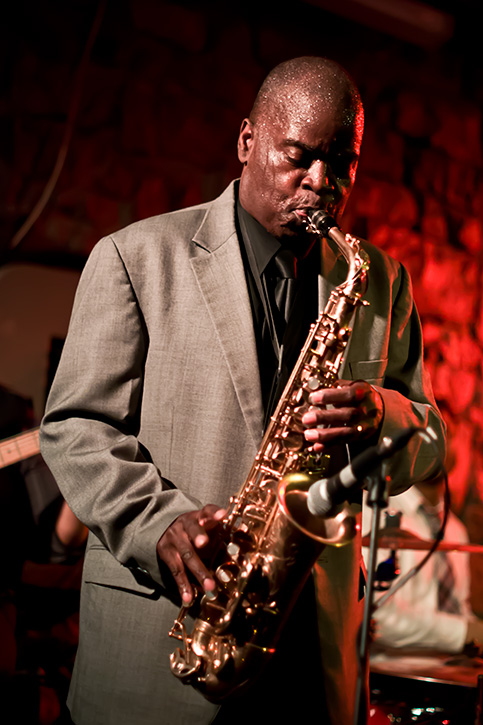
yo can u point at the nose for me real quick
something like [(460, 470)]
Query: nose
[(318, 177)]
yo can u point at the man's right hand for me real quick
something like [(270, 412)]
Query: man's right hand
[(178, 547)]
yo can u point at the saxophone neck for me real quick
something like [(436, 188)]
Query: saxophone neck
[(358, 261), (323, 225)]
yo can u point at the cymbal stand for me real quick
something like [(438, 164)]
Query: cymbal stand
[(377, 500)]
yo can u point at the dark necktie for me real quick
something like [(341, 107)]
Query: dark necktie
[(281, 279), (285, 287), (447, 602)]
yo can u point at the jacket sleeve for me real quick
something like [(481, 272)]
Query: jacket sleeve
[(89, 432), (407, 394), (401, 627)]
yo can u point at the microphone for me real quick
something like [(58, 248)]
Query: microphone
[(324, 495)]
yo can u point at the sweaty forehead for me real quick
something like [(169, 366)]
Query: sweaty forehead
[(321, 116), (314, 102)]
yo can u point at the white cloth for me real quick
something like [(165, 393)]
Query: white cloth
[(410, 618)]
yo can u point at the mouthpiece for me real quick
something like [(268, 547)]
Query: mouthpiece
[(322, 221)]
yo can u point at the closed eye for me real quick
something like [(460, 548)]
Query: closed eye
[(300, 159)]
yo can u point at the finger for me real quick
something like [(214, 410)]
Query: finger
[(181, 557), (212, 511), (195, 532), (197, 527), (175, 548), (210, 516), (326, 435), (192, 561), (347, 393), (174, 562), (321, 416)]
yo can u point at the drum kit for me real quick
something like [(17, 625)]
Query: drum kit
[(409, 687), (427, 690), (396, 538)]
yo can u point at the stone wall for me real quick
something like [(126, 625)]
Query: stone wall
[(419, 197)]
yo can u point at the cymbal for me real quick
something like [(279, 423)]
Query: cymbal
[(444, 669), (395, 538)]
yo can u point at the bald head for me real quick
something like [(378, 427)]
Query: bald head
[(309, 84)]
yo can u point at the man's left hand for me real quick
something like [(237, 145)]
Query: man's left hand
[(346, 412)]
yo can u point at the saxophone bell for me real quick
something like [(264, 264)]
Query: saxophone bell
[(293, 494)]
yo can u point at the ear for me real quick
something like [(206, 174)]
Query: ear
[(245, 140)]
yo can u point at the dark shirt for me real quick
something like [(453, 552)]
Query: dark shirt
[(277, 347), (257, 249)]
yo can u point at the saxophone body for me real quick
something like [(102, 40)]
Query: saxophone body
[(269, 541)]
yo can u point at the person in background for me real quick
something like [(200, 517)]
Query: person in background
[(431, 612)]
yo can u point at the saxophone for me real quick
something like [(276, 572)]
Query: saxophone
[(269, 541)]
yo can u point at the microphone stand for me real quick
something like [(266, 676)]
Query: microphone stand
[(377, 500)]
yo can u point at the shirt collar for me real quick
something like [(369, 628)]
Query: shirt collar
[(256, 238)]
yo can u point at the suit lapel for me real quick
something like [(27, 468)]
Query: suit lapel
[(218, 268)]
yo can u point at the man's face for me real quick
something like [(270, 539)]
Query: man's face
[(303, 158)]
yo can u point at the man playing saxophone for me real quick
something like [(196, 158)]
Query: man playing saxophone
[(184, 330)]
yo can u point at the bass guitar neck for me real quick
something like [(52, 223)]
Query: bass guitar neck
[(19, 447)]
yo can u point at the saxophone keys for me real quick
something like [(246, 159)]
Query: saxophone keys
[(293, 441), (313, 384), (184, 664), (273, 449), (226, 573), (233, 549)]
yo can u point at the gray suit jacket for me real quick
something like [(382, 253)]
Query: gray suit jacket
[(156, 409)]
